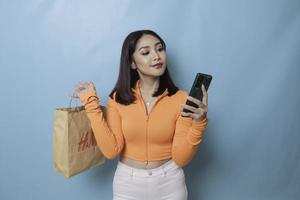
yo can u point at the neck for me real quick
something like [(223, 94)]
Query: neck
[(149, 85)]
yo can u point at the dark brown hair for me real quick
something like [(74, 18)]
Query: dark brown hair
[(128, 76)]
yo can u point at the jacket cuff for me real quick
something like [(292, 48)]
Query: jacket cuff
[(88, 97), (200, 124), (197, 131)]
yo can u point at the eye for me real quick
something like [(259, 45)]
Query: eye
[(161, 49), (145, 53)]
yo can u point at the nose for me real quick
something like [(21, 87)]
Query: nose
[(155, 55)]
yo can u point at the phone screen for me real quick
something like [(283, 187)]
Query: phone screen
[(196, 90)]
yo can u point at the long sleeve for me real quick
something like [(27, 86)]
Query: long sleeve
[(106, 126), (188, 136)]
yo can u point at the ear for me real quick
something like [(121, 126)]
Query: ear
[(133, 65)]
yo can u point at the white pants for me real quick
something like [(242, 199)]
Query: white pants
[(166, 182)]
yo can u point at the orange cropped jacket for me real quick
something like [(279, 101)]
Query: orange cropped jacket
[(128, 130)]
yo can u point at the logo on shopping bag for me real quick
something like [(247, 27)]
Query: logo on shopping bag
[(87, 140)]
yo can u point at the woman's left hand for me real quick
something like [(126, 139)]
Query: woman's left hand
[(199, 113)]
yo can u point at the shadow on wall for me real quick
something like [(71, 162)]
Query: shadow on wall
[(196, 172)]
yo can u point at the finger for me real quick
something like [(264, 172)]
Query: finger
[(193, 115), (74, 95), (79, 86), (194, 110), (205, 100), (77, 92), (91, 85), (202, 105), (193, 99), (185, 114), (203, 89), (90, 82), (205, 96), (190, 108), (86, 84)]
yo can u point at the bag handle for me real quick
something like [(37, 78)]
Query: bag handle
[(76, 106), (77, 109)]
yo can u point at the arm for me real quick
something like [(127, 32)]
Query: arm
[(108, 132), (188, 135)]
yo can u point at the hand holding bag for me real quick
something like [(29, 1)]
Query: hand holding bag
[(74, 146)]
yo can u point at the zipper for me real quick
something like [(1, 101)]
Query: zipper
[(147, 120), (147, 115), (144, 108), (147, 152)]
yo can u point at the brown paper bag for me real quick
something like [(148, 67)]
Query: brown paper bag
[(74, 146)]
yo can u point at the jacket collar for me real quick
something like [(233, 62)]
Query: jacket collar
[(138, 94)]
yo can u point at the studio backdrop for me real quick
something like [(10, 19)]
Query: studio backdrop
[(251, 148)]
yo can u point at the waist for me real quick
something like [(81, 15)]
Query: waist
[(143, 164), (170, 166)]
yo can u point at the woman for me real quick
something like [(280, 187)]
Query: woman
[(144, 123)]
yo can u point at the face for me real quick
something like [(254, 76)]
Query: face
[(149, 52)]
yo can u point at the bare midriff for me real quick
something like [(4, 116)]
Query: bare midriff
[(143, 164)]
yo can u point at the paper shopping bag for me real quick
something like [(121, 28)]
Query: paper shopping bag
[(74, 146)]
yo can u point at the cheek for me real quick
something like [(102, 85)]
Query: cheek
[(143, 62), (139, 59)]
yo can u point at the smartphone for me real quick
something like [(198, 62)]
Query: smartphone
[(196, 90)]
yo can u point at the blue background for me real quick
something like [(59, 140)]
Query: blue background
[(251, 148)]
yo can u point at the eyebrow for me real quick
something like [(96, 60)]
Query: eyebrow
[(157, 43)]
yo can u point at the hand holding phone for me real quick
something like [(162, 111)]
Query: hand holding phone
[(196, 90)]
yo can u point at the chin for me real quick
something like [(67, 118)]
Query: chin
[(161, 71)]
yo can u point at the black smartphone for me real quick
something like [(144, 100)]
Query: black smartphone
[(196, 90)]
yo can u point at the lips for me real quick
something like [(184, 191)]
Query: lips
[(158, 65)]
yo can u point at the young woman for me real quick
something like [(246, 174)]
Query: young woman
[(144, 123)]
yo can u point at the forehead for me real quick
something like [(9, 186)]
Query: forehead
[(147, 40)]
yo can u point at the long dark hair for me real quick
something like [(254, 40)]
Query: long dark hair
[(128, 76)]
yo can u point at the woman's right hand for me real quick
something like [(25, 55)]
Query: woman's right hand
[(83, 88)]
